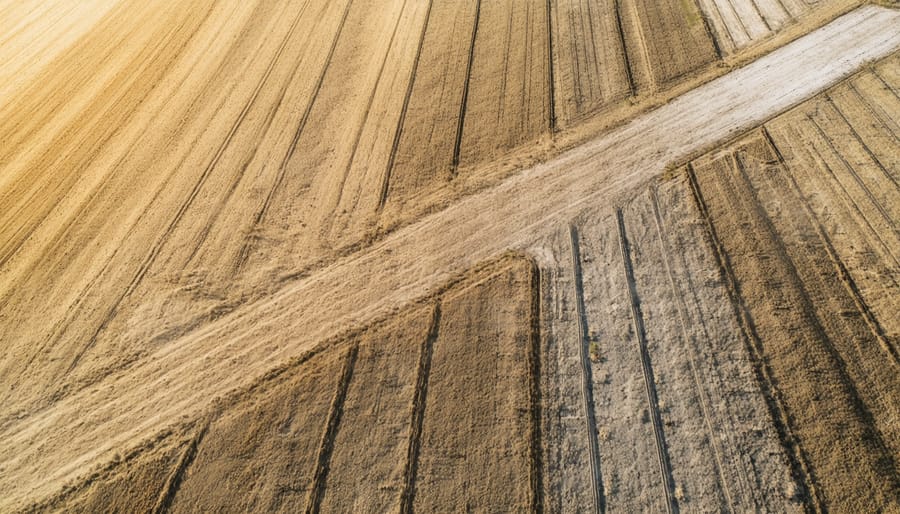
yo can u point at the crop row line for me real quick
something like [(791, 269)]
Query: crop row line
[(418, 412), (849, 201), (386, 180), (841, 269)]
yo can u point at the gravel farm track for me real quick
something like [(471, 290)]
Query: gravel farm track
[(447, 255)]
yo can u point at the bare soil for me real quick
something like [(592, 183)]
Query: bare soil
[(449, 255)]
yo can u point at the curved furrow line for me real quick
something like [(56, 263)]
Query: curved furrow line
[(64, 233), (160, 242), (365, 118), (260, 216), (60, 189)]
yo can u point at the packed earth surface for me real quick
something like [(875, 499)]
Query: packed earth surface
[(450, 255)]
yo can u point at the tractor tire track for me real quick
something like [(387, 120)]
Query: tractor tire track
[(25, 231), (814, 157), (265, 127), (551, 79), (461, 119), (260, 216), (689, 343), (761, 16), (891, 125), (707, 24), (386, 179), (887, 86), (665, 466), (365, 119), (799, 462), (806, 311), (862, 185), (173, 482), (840, 268), (317, 492), (862, 143), (533, 361), (587, 394), (629, 72), (410, 470)]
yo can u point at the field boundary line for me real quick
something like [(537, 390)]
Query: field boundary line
[(800, 467), (665, 466), (418, 411), (323, 459), (587, 393), (536, 447)]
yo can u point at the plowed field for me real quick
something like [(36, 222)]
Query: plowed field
[(449, 255)]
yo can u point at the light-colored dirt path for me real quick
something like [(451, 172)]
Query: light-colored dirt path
[(43, 450)]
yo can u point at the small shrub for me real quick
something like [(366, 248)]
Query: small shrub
[(595, 352)]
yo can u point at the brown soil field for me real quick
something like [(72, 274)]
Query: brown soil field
[(458, 421), (542, 255)]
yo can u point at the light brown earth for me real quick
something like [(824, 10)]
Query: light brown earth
[(256, 256)]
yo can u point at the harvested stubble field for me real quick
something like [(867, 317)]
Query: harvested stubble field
[(449, 255)]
